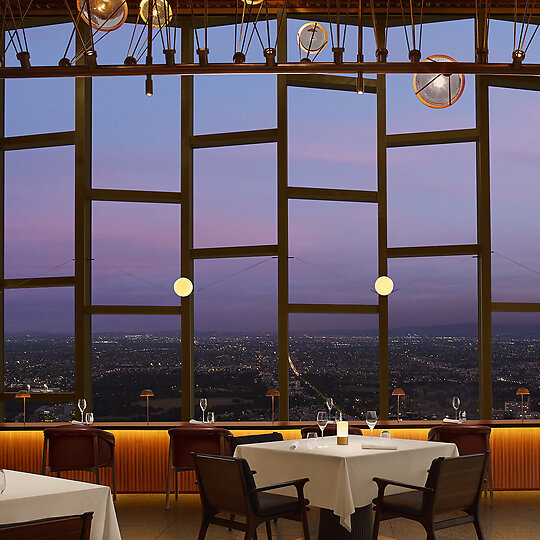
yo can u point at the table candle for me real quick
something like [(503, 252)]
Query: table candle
[(342, 432)]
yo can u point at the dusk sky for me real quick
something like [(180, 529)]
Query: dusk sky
[(332, 143)]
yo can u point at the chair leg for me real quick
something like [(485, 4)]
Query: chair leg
[(203, 529), (44, 458), (113, 474), (430, 530), (490, 472), (175, 485), (168, 479), (231, 519), (478, 528), (251, 532), (376, 523), (305, 524), (268, 530)]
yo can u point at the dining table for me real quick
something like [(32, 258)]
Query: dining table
[(341, 476), (28, 497)]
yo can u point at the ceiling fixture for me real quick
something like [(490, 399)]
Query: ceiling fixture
[(384, 285), (104, 15), (183, 287), (312, 39), (438, 90)]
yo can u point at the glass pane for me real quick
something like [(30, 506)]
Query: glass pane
[(40, 194), (333, 356), (332, 139), (235, 196), (405, 112), (432, 195), (41, 105), (130, 354), (39, 340), (236, 341), (434, 336), (333, 250), (516, 346), (136, 138), (136, 252), (515, 195)]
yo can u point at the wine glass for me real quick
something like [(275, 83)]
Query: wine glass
[(322, 421), (203, 404), (371, 420), (2, 481), (330, 405), (82, 405), (455, 403)]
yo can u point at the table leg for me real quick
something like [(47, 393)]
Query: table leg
[(361, 525)]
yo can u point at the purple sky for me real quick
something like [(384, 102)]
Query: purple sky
[(332, 143)]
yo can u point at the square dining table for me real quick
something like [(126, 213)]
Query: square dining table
[(32, 496), (341, 477)]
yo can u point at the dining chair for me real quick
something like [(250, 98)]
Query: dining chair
[(226, 485), (329, 430), (57, 528), (453, 485), (254, 439), (469, 439), (78, 448), (183, 440)]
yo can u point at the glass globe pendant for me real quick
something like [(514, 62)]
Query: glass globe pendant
[(105, 15), (161, 12), (437, 90)]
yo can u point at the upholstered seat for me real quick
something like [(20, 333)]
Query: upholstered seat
[(254, 439), (407, 503)]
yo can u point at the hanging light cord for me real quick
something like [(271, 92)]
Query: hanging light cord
[(518, 263), (40, 275)]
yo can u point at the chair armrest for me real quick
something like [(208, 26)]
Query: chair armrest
[(298, 484), (383, 482)]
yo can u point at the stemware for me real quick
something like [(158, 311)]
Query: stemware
[(456, 403), (371, 420), (322, 421), (330, 404), (2, 481), (203, 404), (81, 404)]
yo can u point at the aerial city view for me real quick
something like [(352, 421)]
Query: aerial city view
[(431, 370)]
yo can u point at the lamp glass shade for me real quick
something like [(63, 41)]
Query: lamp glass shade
[(183, 287), (147, 393), (384, 285), (252, 2), (161, 12), (436, 90), (522, 392), (22, 394), (398, 392), (312, 38), (272, 393), (106, 15)]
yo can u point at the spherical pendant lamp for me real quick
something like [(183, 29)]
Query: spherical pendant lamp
[(183, 287), (384, 285), (106, 15), (437, 90), (161, 12), (252, 2), (312, 38)]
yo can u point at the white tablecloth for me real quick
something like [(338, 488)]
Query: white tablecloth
[(33, 496), (340, 477)]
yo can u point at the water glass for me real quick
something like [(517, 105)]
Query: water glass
[(89, 418), (371, 420), (210, 417), (2, 481), (386, 435), (311, 440)]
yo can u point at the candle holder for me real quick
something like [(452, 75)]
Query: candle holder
[(342, 432)]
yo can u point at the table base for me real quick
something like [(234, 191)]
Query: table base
[(361, 525)]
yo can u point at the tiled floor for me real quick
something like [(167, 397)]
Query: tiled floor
[(514, 516)]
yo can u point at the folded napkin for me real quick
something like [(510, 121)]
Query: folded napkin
[(192, 421), (378, 446), (77, 422), (451, 421)]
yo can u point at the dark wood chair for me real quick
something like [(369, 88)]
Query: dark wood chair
[(58, 528), (78, 448), (226, 485), (453, 485), (329, 430), (469, 439), (254, 439), (184, 440)]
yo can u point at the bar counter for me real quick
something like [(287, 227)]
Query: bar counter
[(141, 449)]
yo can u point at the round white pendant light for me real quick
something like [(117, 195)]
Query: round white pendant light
[(183, 287), (106, 15), (384, 285), (436, 90), (312, 38)]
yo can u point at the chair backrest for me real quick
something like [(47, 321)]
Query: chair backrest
[(59, 528), (199, 439), (72, 446), (457, 482), (469, 439), (330, 430), (254, 439), (223, 484)]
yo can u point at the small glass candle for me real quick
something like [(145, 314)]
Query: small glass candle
[(342, 432)]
